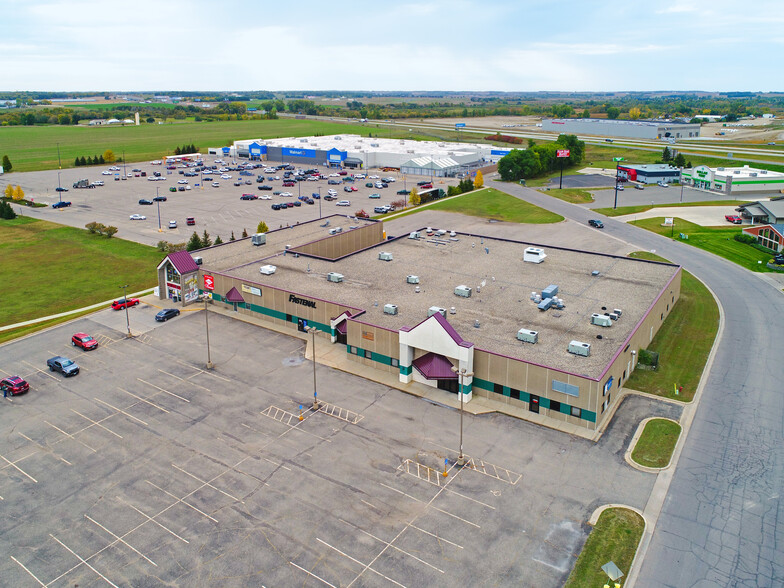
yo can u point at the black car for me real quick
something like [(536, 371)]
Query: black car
[(265, 187), (61, 189), (296, 203), (145, 201), (166, 314), (596, 223), (248, 197), (276, 207), (157, 199)]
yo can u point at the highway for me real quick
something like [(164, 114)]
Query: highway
[(719, 522)]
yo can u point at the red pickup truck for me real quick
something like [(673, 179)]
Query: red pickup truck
[(733, 218)]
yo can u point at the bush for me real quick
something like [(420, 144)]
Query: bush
[(91, 227), (110, 231), (745, 238), (361, 214)]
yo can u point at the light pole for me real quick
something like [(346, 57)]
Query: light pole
[(59, 188), (59, 163), (312, 331), (158, 202), (127, 319), (680, 177), (319, 189), (615, 204), (125, 170), (206, 297), (461, 373)]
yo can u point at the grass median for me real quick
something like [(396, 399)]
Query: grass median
[(624, 210), (53, 268), (573, 195), (683, 342), (656, 443), (615, 538)]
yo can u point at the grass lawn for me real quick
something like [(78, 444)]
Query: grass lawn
[(573, 195), (655, 446), (692, 324), (623, 210), (716, 240), (53, 268), (493, 204), (614, 538)]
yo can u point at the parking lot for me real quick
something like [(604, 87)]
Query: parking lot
[(218, 210), (147, 470)]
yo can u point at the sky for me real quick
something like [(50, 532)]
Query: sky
[(457, 45)]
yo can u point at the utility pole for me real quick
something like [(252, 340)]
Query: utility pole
[(127, 319)]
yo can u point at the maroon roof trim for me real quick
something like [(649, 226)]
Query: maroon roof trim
[(183, 262), (434, 367), (450, 330), (234, 295)]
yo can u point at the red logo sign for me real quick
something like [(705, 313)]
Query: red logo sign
[(562, 153), (209, 282)]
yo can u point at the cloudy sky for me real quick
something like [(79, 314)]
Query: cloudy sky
[(507, 45)]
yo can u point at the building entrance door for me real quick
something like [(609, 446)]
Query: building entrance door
[(448, 385), (533, 404)]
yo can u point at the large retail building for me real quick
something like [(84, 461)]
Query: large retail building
[(550, 330), (632, 129), (734, 180)]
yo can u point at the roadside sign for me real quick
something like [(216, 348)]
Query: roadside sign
[(617, 158), (729, 155), (209, 282), (562, 153), (459, 125)]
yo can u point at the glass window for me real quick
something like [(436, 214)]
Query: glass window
[(514, 393), (498, 388), (577, 412), (394, 362), (565, 388), (352, 350), (368, 354)]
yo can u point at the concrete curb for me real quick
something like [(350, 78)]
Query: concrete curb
[(637, 434)]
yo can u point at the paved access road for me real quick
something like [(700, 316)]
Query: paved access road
[(720, 525)]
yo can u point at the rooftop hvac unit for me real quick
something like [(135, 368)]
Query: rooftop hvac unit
[(534, 254), (527, 336), (336, 230), (579, 348), (267, 270), (550, 291), (334, 277), (463, 291), (602, 320), (452, 310), (412, 279), (545, 304), (259, 239), (390, 309), (452, 234), (618, 311), (198, 260), (434, 309), (440, 233), (413, 235), (385, 256), (613, 316)]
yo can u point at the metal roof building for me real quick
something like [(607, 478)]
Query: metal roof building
[(633, 129)]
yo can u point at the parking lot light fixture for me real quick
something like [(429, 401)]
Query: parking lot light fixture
[(312, 331), (59, 187), (127, 319), (158, 202), (461, 373), (205, 297)]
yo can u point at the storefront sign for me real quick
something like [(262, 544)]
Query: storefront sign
[(368, 335), (170, 285), (562, 153), (251, 290), (302, 301), (209, 282), (191, 292)]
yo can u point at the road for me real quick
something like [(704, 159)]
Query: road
[(719, 524)]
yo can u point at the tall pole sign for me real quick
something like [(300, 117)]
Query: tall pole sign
[(561, 154)]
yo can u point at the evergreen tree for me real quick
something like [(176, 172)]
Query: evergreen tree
[(102, 160), (666, 155), (82, 161), (7, 167), (244, 233), (218, 240), (262, 228), (89, 160), (194, 242), (76, 162), (205, 239), (232, 238)]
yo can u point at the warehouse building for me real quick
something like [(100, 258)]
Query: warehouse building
[(650, 173), (631, 129), (546, 330), (355, 151), (734, 180)]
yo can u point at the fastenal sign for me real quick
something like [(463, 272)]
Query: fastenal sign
[(209, 282), (302, 301), (562, 153)]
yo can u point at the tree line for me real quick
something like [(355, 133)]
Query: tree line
[(540, 159)]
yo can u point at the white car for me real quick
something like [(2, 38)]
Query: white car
[(129, 175), (265, 197), (662, 184), (172, 224), (343, 203), (114, 168), (286, 194), (359, 176), (373, 177), (207, 172), (98, 182), (334, 175), (187, 187), (225, 177), (332, 192), (138, 217), (223, 169), (215, 185), (106, 173), (182, 181), (388, 180)]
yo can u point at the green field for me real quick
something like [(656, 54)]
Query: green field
[(693, 323), (614, 538), (53, 268), (35, 148), (492, 204), (717, 240), (655, 446), (573, 195)]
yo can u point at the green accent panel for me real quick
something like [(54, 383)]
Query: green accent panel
[(483, 384), (268, 312), (406, 369), (526, 397), (588, 416), (466, 388), (544, 402)]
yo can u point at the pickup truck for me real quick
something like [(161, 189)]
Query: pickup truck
[(733, 218), (65, 366), (61, 204)]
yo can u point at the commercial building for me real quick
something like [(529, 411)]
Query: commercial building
[(650, 173), (768, 235), (734, 180), (356, 151), (632, 129), (769, 212), (546, 330)]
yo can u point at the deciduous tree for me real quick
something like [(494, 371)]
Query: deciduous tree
[(18, 193), (262, 228), (413, 198), (479, 179), (108, 156), (9, 191)]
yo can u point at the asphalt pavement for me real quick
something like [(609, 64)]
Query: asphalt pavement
[(719, 523)]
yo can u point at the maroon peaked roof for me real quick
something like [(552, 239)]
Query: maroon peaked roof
[(183, 262), (435, 367), (450, 330), (234, 295), (342, 328)]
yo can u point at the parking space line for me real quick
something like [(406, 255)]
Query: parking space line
[(97, 423), (439, 539), (311, 574), (469, 498), (84, 561), (370, 505), (392, 546), (121, 540), (6, 373), (143, 400), (121, 411), (162, 390), (431, 506), (152, 519), (39, 371), (16, 467), (28, 571), (182, 501), (208, 483), (367, 566), (44, 449), (71, 436), (185, 380), (201, 371)]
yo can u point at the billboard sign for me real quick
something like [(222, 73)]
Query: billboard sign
[(209, 282), (459, 125), (562, 153), (298, 152)]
